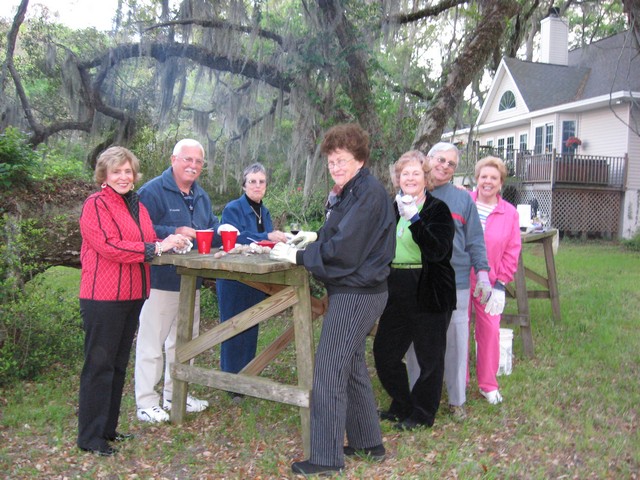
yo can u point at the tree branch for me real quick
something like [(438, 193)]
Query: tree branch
[(221, 25), (162, 51), (433, 11)]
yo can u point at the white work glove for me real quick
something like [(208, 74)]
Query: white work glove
[(302, 239), (188, 245), (226, 227), (406, 206), (283, 251), (495, 305), (483, 287)]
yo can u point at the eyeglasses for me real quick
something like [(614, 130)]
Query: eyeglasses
[(449, 163), (190, 160), (254, 181), (340, 163)]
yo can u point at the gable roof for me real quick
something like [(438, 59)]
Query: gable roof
[(614, 64), (604, 69), (543, 85)]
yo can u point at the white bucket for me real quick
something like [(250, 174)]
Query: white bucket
[(506, 351)]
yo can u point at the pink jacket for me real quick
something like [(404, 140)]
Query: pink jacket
[(502, 240)]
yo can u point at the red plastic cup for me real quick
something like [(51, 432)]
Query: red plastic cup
[(204, 239), (228, 239)]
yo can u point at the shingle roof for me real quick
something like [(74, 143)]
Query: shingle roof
[(542, 85), (608, 65)]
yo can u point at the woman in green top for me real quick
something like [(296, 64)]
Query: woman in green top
[(422, 295)]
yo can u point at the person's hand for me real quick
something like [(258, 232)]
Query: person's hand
[(187, 232), (283, 251), (302, 239), (188, 245), (483, 287), (277, 236), (495, 305), (226, 227), (175, 241), (409, 207)]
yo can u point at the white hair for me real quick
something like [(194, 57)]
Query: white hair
[(187, 142)]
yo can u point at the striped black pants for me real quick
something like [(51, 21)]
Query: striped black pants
[(342, 398)]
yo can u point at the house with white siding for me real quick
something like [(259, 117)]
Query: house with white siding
[(569, 128)]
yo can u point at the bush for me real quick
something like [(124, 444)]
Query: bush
[(633, 243), (20, 250), (17, 159), (41, 327), (288, 204)]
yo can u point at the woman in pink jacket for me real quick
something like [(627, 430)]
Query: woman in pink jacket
[(502, 238)]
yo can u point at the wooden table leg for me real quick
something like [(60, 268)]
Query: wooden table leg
[(523, 317), (184, 335), (523, 309), (552, 278), (304, 348)]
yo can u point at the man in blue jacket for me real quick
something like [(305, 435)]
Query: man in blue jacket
[(176, 204)]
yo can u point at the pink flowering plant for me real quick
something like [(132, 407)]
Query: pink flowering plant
[(573, 142)]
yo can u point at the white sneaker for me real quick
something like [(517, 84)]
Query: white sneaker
[(493, 397), (194, 404), (153, 414)]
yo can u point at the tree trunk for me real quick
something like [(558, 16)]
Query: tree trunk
[(474, 56)]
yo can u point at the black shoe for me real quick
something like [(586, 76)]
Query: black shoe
[(390, 416), (308, 468), (236, 398), (409, 424), (104, 451), (376, 453), (121, 437)]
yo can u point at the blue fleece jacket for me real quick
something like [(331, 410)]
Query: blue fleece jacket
[(168, 211)]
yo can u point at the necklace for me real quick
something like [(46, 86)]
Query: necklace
[(258, 215)]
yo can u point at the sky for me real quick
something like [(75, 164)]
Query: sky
[(73, 13)]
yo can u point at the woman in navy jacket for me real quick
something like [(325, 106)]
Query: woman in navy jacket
[(249, 215), (351, 255)]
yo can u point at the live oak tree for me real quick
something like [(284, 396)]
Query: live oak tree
[(261, 80)]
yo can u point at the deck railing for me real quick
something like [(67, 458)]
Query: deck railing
[(571, 169)]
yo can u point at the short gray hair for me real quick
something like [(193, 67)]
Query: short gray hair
[(187, 142), (444, 147), (253, 168)]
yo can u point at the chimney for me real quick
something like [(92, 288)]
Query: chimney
[(554, 39)]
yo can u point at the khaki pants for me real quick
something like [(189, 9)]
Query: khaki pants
[(158, 329)]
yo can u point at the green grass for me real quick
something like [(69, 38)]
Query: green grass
[(572, 411)]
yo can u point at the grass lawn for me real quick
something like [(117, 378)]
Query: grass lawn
[(570, 412)]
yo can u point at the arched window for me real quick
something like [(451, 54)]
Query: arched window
[(507, 101)]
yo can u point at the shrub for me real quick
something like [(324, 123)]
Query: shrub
[(633, 243), (41, 327), (20, 250), (17, 159), (288, 204)]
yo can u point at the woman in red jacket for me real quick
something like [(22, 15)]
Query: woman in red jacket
[(117, 242)]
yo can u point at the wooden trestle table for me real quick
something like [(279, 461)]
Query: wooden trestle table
[(518, 288), (287, 286)]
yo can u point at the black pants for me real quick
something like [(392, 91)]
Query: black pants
[(402, 323), (109, 330)]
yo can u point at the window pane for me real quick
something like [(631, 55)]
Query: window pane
[(538, 144), (507, 101)]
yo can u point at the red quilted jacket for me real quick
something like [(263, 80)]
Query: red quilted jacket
[(113, 248)]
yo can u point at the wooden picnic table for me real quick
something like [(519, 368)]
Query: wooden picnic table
[(287, 286), (518, 288)]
